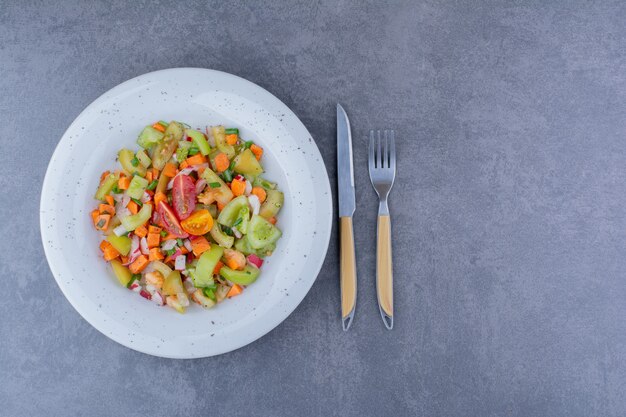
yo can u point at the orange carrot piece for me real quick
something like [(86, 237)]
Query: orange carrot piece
[(153, 240), (221, 162), (155, 173), (257, 151), (200, 245), (272, 220), (233, 264), (260, 193), (139, 264), (183, 165), (184, 251), (102, 221), (154, 229), (104, 175), (133, 207), (109, 199), (220, 206), (197, 159), (149, 175), (169, 236), (169, 170), (123, 183), (158, 127), (238, 187), (155, 254), (106, 209), (108, 251), (94, 216), (141, 231), (123, 259), (234, 291), (218, 267), (232, 139), (158, 197)]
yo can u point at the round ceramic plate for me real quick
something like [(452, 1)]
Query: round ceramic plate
[(199, 97)]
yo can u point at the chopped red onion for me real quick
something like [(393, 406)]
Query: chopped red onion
[(236, 232), (248, 188), (143, 245), (255, 260), (145, 294), (158, 298), (209, 137), (168, 244), (179, 262), (187, 244), (200, 184), (183, 299), (145, 197), (255, 203)]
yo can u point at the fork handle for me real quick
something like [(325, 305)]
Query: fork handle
[(384, 270), (348, 273)]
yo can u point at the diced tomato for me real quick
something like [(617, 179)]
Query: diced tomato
[(183, 196), (169, 221)]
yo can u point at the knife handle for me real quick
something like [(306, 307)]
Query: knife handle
[(384, 270), (347, 273)]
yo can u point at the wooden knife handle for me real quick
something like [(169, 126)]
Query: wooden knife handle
[(384, 270), (347, 273)]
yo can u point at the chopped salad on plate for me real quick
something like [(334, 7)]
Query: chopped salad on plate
[(188, 216)]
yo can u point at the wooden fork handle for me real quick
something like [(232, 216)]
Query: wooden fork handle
[(384, 270), (348, 273)]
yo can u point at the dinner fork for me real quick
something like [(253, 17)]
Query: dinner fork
[(382, 169)]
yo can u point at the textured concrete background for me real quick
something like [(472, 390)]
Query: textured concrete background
[(509, 208)]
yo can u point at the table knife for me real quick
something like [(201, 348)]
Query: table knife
[(347, 203)]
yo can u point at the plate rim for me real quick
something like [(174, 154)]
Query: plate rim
[(45, 191)]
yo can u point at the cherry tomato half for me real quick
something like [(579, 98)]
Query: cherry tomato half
[(183, 196), (199, 223), (169, 220)]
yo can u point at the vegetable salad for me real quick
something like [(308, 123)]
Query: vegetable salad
[(188, 216)]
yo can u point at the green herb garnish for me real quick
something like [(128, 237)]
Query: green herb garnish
[(152, 185), (134, 162), (214, 185)]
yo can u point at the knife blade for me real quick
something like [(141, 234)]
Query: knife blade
[(347, 205)]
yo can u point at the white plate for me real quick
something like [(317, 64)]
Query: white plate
[(199, 97)]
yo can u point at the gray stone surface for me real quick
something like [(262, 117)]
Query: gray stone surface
[(509, 207)]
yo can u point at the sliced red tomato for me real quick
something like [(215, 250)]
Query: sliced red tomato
[(183, 196), (169, 220), (199, 223)]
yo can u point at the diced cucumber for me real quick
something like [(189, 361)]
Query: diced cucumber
[(247, 276), (230, 213), (220, 237), (122, 273), (260, 182), (134, 221), (246, 163), (243, 246), (199, 140), (120, 243), (164, 150), (220, 141), (137, 186), (222, 194), (262, 233), (173, 284), (242, 220), (143, 158), (183, 150), (272, 204), (148, 137), (126, 157), (203, 275), (107, 185)]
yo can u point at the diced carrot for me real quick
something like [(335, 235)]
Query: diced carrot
[(106, 209), (104, 175), (139, 264), (109, 199), (201, 171), (238, 187), (149, 175), (153, 239), (183, 165), (184, 251), (155, 254), (102, 222), (272, 220), (200, 245), (169, 236), (133, 207), (260, 193), (257, 151), (103, 245), (158, 197), (141, 231), (108, 251), (123, 183), (234, 291), (221, 162), (169, 170), (218, 267), (232, 139), (154, 229), (155, 173), (94, 216), (220, 206), (124, 259), (197, 159), (158, 127), (233, 264)]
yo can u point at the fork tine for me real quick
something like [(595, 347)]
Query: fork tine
[(392, 151), (372, 156), (378, 153), (386, 150)]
